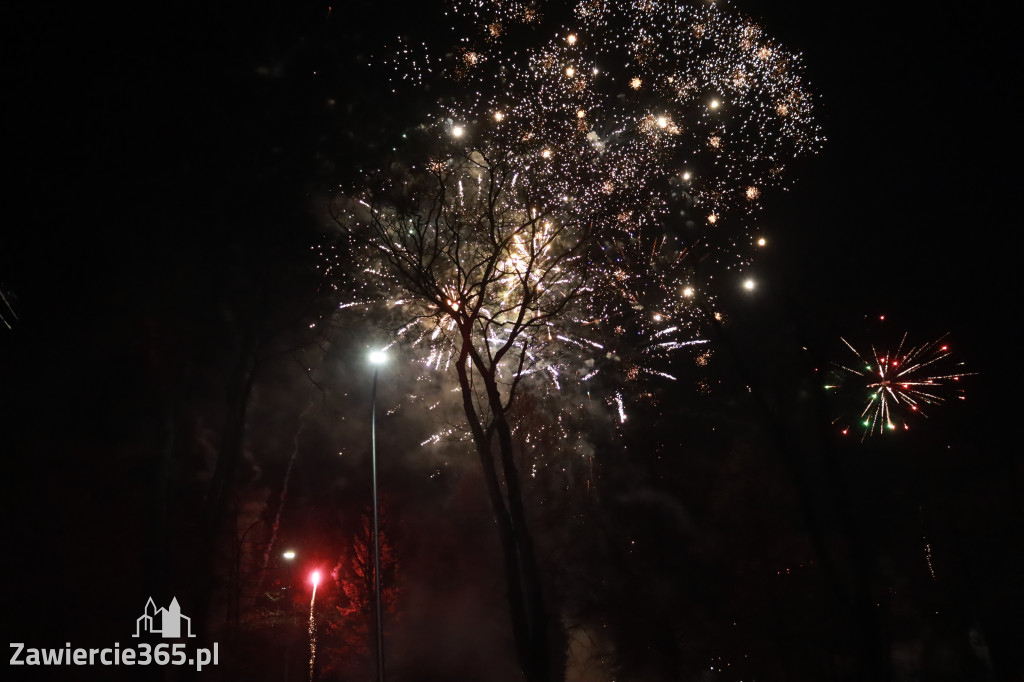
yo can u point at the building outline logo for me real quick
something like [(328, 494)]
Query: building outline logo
[(165, 622)]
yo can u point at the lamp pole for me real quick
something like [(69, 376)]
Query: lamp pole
[(288, 556), (376, 358)]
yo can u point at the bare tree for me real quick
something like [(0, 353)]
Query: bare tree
[(480, 269)]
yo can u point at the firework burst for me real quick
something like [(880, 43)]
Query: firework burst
[(898, 383), (635, 142)]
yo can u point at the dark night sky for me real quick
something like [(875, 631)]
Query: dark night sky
[(137, 139), (126, 123)]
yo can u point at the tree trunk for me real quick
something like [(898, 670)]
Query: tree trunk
[(536, 611), (522, 575), (232, 444)]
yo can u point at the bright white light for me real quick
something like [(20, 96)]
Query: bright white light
[(314, 578), (714, 104), (571, 39), (457, 131), (498, 116), (378, 357), (663, 122), (749, 285), (570, 72), (289, 555), (622, 408), (688, 292), (686, 175), (761, 241)]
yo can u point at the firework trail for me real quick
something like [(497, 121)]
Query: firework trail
[(284, 487), (9, 310), (315, 579)]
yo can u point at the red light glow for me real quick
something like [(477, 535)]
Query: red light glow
[(314, 578)]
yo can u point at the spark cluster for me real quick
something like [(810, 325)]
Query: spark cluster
[(638, 142), (647, 103), (897, 384)]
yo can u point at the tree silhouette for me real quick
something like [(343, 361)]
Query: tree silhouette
[(485, 270)]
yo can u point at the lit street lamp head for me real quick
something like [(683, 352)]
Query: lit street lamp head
[(289, 555), (378, 357)]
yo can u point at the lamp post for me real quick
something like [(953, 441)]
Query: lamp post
[(377, 358), (289, 557)]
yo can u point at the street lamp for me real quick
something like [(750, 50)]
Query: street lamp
[(377, 358), (289, 556)]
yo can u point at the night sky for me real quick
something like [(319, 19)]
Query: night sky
[(165, 162)]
